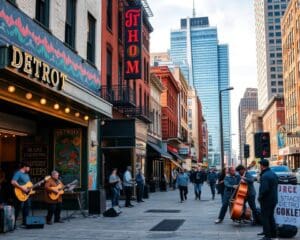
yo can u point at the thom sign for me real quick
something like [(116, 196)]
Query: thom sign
[(133, 42)]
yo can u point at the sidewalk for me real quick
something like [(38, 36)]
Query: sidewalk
[(135, 223)]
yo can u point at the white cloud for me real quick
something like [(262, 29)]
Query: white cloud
[(235, 22)]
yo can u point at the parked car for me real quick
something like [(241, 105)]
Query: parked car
[(253, 173), (284, 174), (297, 173)]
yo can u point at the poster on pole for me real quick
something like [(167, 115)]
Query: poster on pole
[(287, 210)]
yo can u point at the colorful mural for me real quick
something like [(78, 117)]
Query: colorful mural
[(67, 153), (16, 28)]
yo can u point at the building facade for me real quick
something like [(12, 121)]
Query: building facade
[(273, 118), (253, 124), (268, 15), (50, 107), (125, 137), (204, 62), (291, 48), (247, 104)]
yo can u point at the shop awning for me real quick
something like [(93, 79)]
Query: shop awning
[(159, 150), (176, 156), (176, 163)]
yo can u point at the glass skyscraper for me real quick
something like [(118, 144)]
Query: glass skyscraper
[(205, 63)]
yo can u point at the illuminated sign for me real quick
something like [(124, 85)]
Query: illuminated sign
[(35, 68), (133, 42)]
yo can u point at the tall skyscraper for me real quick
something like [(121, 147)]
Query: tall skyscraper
[(204, 62), (268, 14), (247, 105)]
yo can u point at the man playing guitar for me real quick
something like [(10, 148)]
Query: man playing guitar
[(54, 185), (20, 178)]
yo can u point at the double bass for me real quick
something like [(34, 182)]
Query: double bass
[(238, 200)]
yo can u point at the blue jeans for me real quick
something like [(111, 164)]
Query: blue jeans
[(115, 196), (197, 188)]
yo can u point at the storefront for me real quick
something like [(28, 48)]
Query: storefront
[(290, 156), (49, 104)]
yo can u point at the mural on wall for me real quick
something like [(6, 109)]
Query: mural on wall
[(67, 153), (18, 29), (93, 168)]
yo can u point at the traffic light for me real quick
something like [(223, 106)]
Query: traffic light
[(262, 145), (246, 150)]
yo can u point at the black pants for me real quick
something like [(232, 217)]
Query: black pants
[(139, 192), (267, 218), (183, 190), (24, 206), (213, 189), (252, 205), (54, 208), (128, 193)]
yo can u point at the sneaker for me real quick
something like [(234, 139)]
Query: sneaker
[(218, 221)]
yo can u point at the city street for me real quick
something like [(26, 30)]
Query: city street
[(135, 223)]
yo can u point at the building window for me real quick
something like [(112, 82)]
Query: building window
[(273, 90), (108, 69), (70, 23), (91, 38), (109, 14), (42, 12)]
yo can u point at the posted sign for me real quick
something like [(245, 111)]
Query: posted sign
[(287, 210)]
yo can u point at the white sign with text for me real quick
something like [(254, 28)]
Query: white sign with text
[(287, 210)]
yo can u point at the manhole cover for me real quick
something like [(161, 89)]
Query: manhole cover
[(163, 211), (168, 225)]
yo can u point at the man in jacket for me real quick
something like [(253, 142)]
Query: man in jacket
[(212, 178), (182, 182), (267, 198), (54, 206), (198, 177), (230, 182), (128, 183), (251, 194)]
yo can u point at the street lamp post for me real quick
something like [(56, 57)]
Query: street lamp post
[(221, 123)]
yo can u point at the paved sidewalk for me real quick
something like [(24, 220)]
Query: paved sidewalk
[(135, 223)]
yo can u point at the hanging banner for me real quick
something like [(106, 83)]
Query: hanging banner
[(288, 207), (133, 42)]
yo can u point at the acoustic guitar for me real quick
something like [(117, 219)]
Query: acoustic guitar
[(23, 196), (60, 188)]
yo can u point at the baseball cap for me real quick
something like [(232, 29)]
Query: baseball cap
[(264, 162)]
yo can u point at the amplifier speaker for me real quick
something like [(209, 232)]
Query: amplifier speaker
[(35, 222), (97, 201)]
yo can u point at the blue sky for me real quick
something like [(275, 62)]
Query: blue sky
[(236, 27)]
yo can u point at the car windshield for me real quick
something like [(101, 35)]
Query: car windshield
[(280, 169)]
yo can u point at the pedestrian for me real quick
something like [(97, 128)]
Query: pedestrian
[(182, 183), (212, 177), (174, 177), (54, 205), (198, 178), (140, 181), (115, 186), (247, 178), (230, 182), (128, 183), (268, 199), (220, 184), (21, 178)]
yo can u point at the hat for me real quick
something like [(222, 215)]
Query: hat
[(264, 162)]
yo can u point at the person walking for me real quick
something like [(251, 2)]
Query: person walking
[(212, 177), (198, 178), (20, 178), (140, 181), (115, 186), (268, 199), (230, 182), (220, 184), (54, 205), (182, 182), (128, 186)]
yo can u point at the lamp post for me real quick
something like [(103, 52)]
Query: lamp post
[(221, 123)]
